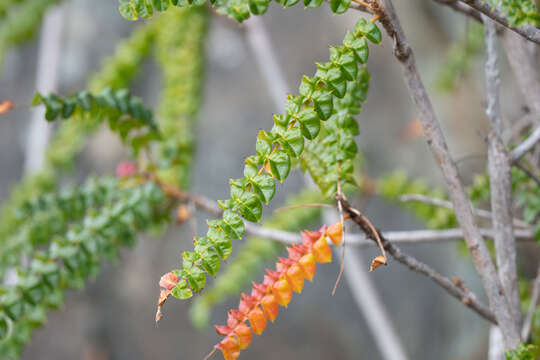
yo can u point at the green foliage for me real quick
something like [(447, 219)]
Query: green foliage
[(522, 352), (20, 23), (124, 113), (179, 51), (6, 5), (275, 151), (69, 139), (239, 10), (75, 255), (51, 214), (519, 12), (461, 57), (253, 255)]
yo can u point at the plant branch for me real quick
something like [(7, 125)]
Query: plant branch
[(454, 288), (438, 146), (535, 296), (461, 8), (499, 167), (526, 145), (447, 204), (529, 32)]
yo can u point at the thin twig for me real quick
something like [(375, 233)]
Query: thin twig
[(529, 32), (438, 146), (535, 296), (460, 292), (499, 167), (447, 204), (528, 172), (461, 8), (526, 145)]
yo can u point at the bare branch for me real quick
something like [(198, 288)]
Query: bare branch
[(526, 145), (439, 148), (527, 31), (535, 296), (461, 8), (400, 237), (500, 180), (447, 204), (454, 288)]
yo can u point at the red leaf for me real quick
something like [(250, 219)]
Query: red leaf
[(168, 281)]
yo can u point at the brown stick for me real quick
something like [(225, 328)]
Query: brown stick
[(460, 292)]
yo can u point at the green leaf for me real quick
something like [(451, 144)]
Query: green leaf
[(69, 107), (181, 290), (347, 63), (210, 262), (220, 242), (369, 30), (264, 186), (280, 164), (144, 8), (195, 278), (233, 225), (290, 139), (161, 5), (339, 6), (323, 102), (313, 3), (310, 124), (335, 80), (258, 7), (249, 206), (127, 10), (53, 107), (348, 123), (263, 146), (288, 3)]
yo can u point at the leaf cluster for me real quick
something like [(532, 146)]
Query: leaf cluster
[(124, 113), (275, 151)]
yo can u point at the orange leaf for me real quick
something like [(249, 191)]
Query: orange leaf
[(322, 251), (243, 334), (307, 262), (247, 303), (223, 330), (168, 281), (229, 347), (296, 276), (378, 261), (270, 307), (309, 237), (282, 291), (257, 320), (335, 232), (5, 106), (296, 252)]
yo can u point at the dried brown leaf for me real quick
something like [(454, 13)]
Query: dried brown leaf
[(377, 261)]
